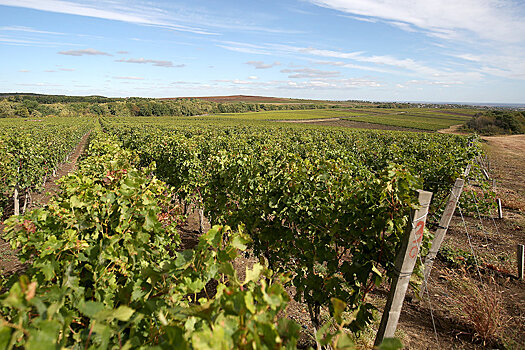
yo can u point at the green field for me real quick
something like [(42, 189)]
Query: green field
[(425, 121), (289, 114), (416, 118)]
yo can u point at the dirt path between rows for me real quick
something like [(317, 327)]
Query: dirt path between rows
[(453, 129), (8, 261)]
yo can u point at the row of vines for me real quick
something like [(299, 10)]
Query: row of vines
[(327, 206), (323, 209), (30, 152)]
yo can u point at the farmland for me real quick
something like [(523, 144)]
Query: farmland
[(300, 198), (415, 118)]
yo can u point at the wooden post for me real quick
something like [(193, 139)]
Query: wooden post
[(443, 227), (201, 220), (404, 265), (500, 211), (467, 170), (26, 201), (520, 259), (16, 201)]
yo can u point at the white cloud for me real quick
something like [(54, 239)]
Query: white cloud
[(38, 84), (158, 63), (355, 66), (497, 20), (38, 43), (88, 52), (253, 77), (107, 10), (27, 30), (335, 84), (244, 49), (316, 83), (262, 65), (171, 15), (129, 78), (309, 73)]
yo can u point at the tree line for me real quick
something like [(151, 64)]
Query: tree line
[(35, 106)]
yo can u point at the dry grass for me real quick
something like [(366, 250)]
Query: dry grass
[(481, 308)]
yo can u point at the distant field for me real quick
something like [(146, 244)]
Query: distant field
[(289, 115), (414, 118), (420, 119)]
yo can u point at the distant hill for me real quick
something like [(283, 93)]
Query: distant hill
[(249, 99)]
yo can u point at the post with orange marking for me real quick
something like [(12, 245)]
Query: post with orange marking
[(404, 265)]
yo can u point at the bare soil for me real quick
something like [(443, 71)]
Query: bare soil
[(453, 129)]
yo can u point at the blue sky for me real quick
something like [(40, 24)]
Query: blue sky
[(404, 50)]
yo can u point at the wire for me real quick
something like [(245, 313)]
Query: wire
[(425, 285), (470, 244)]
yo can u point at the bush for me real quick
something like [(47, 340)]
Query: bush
[(498, 122)]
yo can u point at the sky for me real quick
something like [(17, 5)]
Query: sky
[(379, 50)]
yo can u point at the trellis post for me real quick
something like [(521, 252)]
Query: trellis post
[(521, 256), (443, 227), (404, 265), (500, 211)]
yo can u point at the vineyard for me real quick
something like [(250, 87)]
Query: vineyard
[(324, 211), (30, 151)]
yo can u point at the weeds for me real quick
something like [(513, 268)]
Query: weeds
[(479, 307)]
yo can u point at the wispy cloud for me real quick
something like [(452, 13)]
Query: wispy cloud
[(87, 52), (312, 84), (262, 65), (129, 78), (332, 84), (38, 84), (111, 10), (24, 71), (34, 42), (309, 73), (497, 20), (245, 48), (158, 63), (27, 30), (122, 52), (391, 64)]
